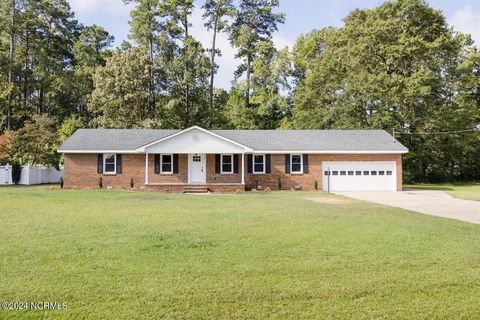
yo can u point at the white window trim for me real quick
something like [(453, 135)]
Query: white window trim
[(253, 164), (171, 163), (221, 164), (301, 164), (105, 156)]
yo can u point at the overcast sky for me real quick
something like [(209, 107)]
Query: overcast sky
[(301, 17)]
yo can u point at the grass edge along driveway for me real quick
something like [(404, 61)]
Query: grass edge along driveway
[(466, 190)]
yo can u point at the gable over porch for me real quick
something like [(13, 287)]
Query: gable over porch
[(194, 156)]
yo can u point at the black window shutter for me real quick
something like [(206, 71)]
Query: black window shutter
[(217, 163), (249, 163), (235, 163), (157, 164), (175, 163), (287, 163), (268, 163), (100, 163), (305, 163), (119, 163)]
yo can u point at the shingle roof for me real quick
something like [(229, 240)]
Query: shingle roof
[(113, 139), (258, 140)]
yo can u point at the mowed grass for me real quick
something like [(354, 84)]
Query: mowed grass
[(122, 255), (469, 191)]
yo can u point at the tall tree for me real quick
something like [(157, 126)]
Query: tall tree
[(122, 91), (91, 50), (270, 78), (55, 53), (394, 66), (186, 64), (255, 22), (10, 24), (216, 14), (144, 30)]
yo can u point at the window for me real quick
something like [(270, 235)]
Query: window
[(166, 163), (366, 173), (358, 173), (227, 163), (350, 173), (381, 173), (327, 173), (389, 173), (197, 158), (343, 173), (109, 163), (335, 173), (259, 163), (374, 173), (296, 163)]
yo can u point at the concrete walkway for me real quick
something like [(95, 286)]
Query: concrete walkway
[(435, 203)]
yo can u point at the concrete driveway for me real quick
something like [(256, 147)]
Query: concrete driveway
[(435, 203)]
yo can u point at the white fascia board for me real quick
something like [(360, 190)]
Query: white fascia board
[(142, 149), (138, 151), (100, 151), (329, 152)]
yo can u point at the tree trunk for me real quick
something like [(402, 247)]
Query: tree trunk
[(187, 85), (25, 71), (41, 98), (150, 71), (212, 61), (42, 104), (10, 67), (247, 96)]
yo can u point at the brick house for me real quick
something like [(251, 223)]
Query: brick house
[(196, 159)]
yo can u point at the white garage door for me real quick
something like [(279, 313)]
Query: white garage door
[(359, 176)]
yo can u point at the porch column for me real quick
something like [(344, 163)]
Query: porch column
[(243, 168), (146, 168)]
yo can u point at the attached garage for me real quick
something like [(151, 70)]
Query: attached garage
[(359, 176)]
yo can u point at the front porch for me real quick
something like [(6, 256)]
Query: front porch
[(195, 172), (195, 159)]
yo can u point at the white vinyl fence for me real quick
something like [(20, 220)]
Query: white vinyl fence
[(31, 174)]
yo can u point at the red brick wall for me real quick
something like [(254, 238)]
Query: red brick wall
[(212, 177), (307, 181), (180, 177), (81, 171)]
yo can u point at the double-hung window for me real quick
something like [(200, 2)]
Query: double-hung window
[(296, 163), (258, 163), (167, 163), (109, 163), (227, 163)]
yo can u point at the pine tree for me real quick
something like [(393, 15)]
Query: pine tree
[(186, 64), (216, 13), (255, 23), (144, 30)]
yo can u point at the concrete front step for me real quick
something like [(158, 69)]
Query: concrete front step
[(195, 189)]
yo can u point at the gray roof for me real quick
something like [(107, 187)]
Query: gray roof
[(258, 140)]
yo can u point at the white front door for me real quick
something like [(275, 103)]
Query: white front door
[(359, 176), (197, 170)]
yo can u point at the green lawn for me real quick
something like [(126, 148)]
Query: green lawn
[(122, 255), (469, 191)]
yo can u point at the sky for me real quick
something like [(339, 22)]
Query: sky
[(302, 16)]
